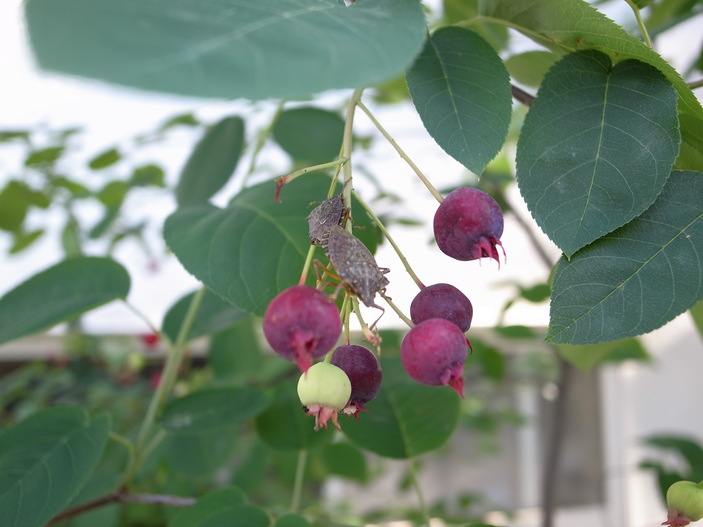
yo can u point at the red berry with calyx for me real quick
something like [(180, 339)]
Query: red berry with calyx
[(442, 301), (302, 324), (434, 352), (364, 372), (468, 225)]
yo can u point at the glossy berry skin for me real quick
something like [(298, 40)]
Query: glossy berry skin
[(442, 301), (685, 502), (301, 324), (468, 225), (324, 390), (433, 353), (364, 372)]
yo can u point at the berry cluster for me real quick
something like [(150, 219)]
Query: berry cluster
[(302, 323)]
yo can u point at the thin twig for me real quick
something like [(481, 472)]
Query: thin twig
[(696, 84), (122, 497), (522, 96)]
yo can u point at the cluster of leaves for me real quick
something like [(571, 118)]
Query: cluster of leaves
[(608, 162)]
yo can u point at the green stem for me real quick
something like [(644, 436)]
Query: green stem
[(640, 22), (283, 180), (347, 150), (261, 141), (174, 360), (414, 478), (388, 237), (306, 266), (143, 318), (397, 310), (298, 483), (696, 84), (401, 153)]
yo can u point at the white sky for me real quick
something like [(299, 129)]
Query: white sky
[(114, 115)]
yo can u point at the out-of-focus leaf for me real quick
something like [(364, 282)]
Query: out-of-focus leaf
[(309, 135), (105, 159), (587, 357), (530, 67), (148, 175), (45, 156)]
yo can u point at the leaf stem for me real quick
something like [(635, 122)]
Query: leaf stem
[(143, 318), (174, 359), (640, 22), (306, 266), (346, 153), (388, 237), (261, 141), (284, 180), (696, 84), (298, 482), (415, 479), (401, 153)]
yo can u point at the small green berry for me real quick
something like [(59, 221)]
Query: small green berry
[(324, 390), (685, 502)]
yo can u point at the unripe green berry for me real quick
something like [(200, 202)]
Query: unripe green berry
[(685, 502), (324, 390)]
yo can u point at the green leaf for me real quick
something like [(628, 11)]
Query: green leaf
[(292, 520), (597, 146), (213, 315), (216, 502), (406, 419), (688, 448), (184, 119), (45, 156), (234, 354), (205, 48), (44, 462), (458, 11), (253, 249), (213, 409), (530, 67), (577, 25), (345, 460), (309, 135), (148, 175), (586, 357), (113, 194), (22, 240), (105, 159), (697, 315), (639, 277), (15, 200), (212, 162), (60, 293), (461, 91), (285, 426)]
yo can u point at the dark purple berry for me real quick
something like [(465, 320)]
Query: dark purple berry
[(364, 372), (434, 352), (442, 301), (301, 324), (468, 225)]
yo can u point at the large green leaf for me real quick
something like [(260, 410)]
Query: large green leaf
[(235, 353), (309, 135), (44, 462), (60, 293), (597, 146), (209, 410), (461, 90), (586, 357), (577, 25), (238, 48), (212, 161), (406, 419), (209, 505), (639, 277), (214, 314)]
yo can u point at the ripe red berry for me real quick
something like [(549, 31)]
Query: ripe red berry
[(434, 352), (301, 324), (468, 225), (442, 301), (364, 372)]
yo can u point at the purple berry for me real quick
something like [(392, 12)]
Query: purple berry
[(364, 372), (442, 301), (434, 352), (468, 225), (301, 324)]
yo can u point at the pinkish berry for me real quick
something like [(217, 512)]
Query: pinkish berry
[(468, 225), (434, 352), (301, 324), (442, 301), (364, 372)]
